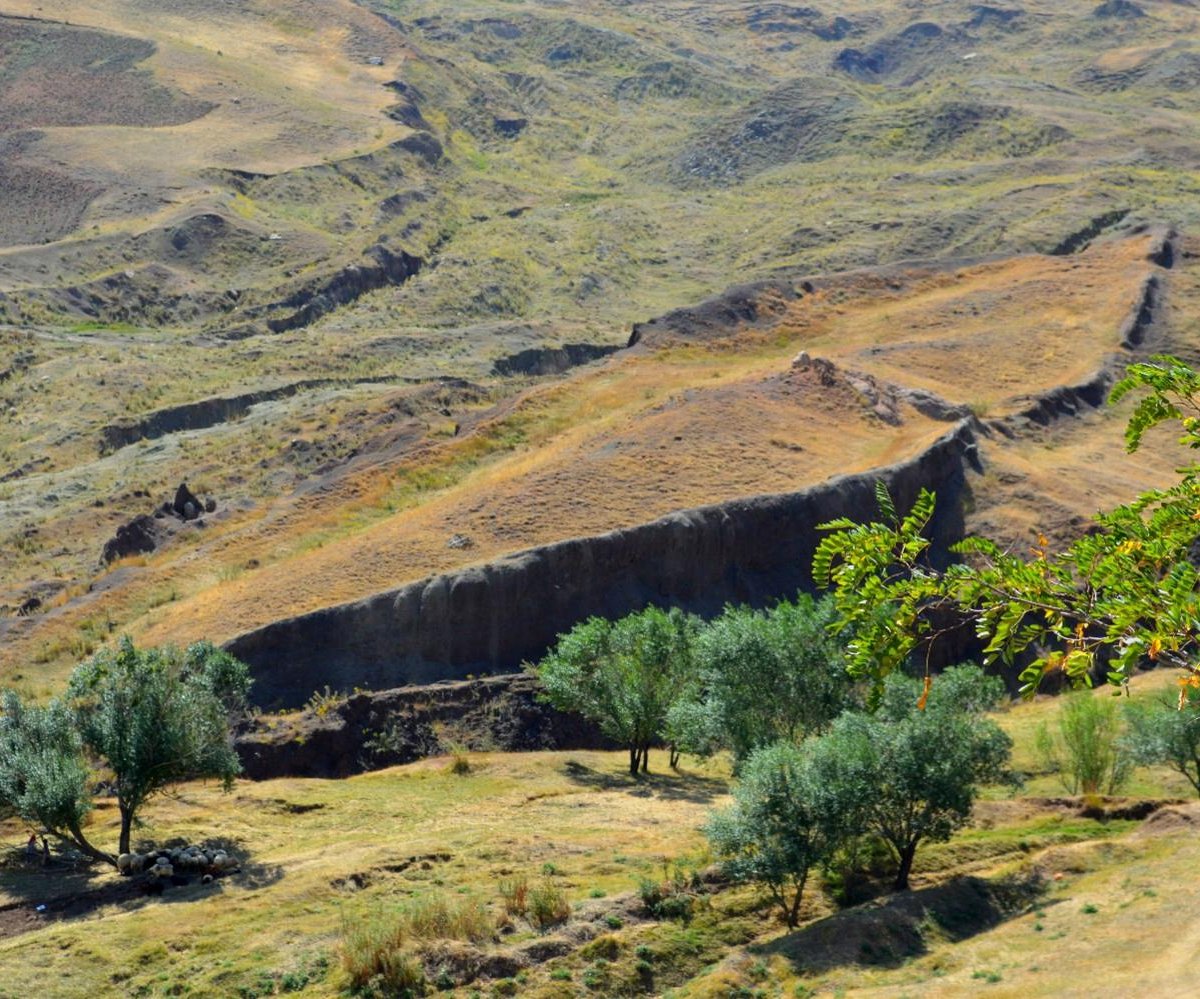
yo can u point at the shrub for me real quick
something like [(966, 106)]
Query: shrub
[(548, 906), (1085, 747), (460, 763), (672, 896), (515, 894)]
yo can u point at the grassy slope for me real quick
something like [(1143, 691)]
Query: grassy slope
[(621, 443), (610, 206), (304, 839)]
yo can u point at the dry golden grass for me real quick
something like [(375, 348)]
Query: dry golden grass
[(513, 813), (646, 435), (687, 424)]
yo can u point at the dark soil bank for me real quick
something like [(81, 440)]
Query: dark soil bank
[(491, 618)]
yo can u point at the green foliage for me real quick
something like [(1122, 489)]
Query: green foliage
[(152, 717), (1085, 746), (909, 773), (784, 822), (548, 906), (625, 675), (158, 716), (673, 896), (1128, 586), (43, 776), (763, 677), (1160, 731)]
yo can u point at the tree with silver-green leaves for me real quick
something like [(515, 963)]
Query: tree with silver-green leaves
[(1161, 731), (785, 821), (43, 774), (763, 676), (910, 771), (149, 717), (1129, 588), (624, 675)]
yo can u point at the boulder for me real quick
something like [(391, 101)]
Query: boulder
[(186, 505), (141, 535)]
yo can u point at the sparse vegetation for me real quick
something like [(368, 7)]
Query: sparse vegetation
[(1085, 747)]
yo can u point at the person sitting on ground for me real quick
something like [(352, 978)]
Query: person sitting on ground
[(31, 848)]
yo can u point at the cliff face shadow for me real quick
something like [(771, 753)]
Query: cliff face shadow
[(671, 785), (888, 932)]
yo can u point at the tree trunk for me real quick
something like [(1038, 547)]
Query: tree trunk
[(76, 836), (793, 911), (126, 824), (675, 754), (906, 862), (634, 758), (645, 759)]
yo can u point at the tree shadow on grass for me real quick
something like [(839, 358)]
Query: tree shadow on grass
[(68, 888), (888, 932), (674, 785)]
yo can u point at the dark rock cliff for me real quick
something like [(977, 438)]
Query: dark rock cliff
[(490, 618)]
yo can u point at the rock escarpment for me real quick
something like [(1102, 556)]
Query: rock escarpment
[(490, 618), (366, 730)]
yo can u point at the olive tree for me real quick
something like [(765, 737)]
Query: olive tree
[(763, 676), (151, 717), (785, 821), (1159, 732), (624, 675), (43, 775), (909, 772)]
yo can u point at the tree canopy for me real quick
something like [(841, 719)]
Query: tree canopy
[(150, 717), (763, 676), (1129, 587), (784, 822), (909, 772), (624, 674)]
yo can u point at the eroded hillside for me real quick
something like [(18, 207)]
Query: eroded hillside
[(335, 272)]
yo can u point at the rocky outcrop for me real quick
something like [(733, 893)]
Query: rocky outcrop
[(205, 413), (1079, 240), (380, 267), (370, 730), (720, 316), (490, 618), (550, 360), (140, 536)]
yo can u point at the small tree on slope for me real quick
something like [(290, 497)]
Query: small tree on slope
[(624, 675), (909, 772), (785, 821), (152, 717)]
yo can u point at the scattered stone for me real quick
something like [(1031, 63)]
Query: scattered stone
[(460, 541)]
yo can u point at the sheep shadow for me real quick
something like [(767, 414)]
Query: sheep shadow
[(888, 932), (675, 785)]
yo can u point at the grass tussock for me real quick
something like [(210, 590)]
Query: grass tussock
[(373, 956)]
